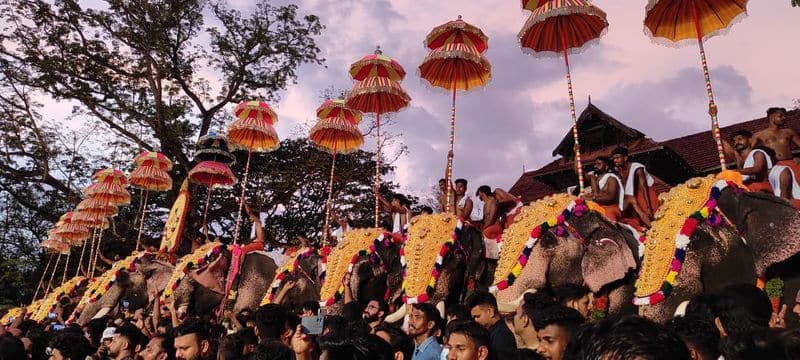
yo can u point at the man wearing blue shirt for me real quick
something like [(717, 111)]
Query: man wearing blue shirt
[(423, 322)]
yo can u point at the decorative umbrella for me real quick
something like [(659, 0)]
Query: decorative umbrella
[(562, 26), (678, 20), (109, 186), (212, 174), (214, 147), (98, 222), (379, 95), (53, 245), (252, 130), (377, 64), (455, 63), (531, 5), (71, 234), (151, 174), (336, 132)]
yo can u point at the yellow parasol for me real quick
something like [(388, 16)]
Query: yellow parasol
[(336, 132), (678, 20)]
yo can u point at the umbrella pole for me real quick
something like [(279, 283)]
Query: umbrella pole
[(578, 164), (448, 175), (328, 203), (205, 212), (89, 271), (712, 106), (66, 265), (241, 199), (141, 221), (80, 260), (377, 168), (52, 275), (96, 251), (41, 280)]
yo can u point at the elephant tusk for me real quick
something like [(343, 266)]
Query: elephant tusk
[(511, 307), (103, 312), (397, 315), (440, 307)]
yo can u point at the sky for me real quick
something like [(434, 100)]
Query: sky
[(515, 121)]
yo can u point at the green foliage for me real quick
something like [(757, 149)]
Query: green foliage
[(774, 288)]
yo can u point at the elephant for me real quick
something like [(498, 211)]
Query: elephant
[(139, 288), (462, 265), (202, 290)]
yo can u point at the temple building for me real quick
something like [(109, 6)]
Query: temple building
[(670, 162)]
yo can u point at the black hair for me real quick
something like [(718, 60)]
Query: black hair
[(626, 338), (271, 321), (791, 343), (95, 329), (382, 306), (230, 347), (474, 331), (756, 344), (312, 306), (335, 324), (697, 333), (426, 210), (533, 303), (431, 314), (459, 311), (774, 110), (402, 199), (741, 132), (11, 348), (248, 336), (484, 189), (566, 318), (71, 345), (194, 326), (482, 297), (461, 181), (702, 306), (356, 348), (620, 150), (570, 292), (399, 340), (606, 160), (133, 335), (352, 311), (518, 354), (441, 180), (743, 308), (272, 350), (167, 345)]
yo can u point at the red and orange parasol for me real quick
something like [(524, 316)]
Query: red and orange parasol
[(456, 63), (561, 26), (151, 174), (337, 133), (377, 94), (252, 130), (109, 186), (212, 169), (693, 20)]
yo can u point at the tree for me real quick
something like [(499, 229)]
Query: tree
[(135, 74)]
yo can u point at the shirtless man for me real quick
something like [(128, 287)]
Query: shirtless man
[(776, 137), (638, 187), (398, 208), (607, 189), (753, 163), (463, 201), (443, 195)]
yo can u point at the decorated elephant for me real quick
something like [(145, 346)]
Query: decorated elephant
[(441, 256), (136, 279), (199, 280), (296, 281)]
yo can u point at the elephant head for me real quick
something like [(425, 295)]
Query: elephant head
[(129, 286), (611, 250), (201, 291), (156, 272), (255, 276), (305, 277)]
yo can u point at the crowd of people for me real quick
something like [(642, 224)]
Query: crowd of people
[(737, 323)]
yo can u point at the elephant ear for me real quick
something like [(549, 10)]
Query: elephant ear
[(606, 261), (769, 225), (212, 277)]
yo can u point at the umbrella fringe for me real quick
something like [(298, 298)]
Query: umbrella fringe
[(540, 16), (449, 91), (560, 53), (692, 41)]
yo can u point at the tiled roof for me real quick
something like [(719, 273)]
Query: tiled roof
[(634, 147), (530, 189), (700, 151)]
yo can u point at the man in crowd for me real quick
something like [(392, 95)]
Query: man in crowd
[(626, 338), (483, 307), (463, 201), (272, 324), (423, 322), (527, 310), (700, 336), (554, 328), (344, 227), (638, 184), (741, 308), (778, 138), (375, 313), (159, 348), (192, 340), (753, 163), (467, 340), (402, 344), (128, 341), (398, 209), (574, 296), (499, 210)]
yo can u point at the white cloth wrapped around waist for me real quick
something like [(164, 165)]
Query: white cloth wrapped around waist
[(621, 194), (750, 161), (775, 181), (630, 189)]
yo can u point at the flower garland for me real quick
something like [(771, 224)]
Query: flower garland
[(201, 256), (101, 284), (600, 307), (382, 239), (290, 269), (576, 208), (437, 267), (682, 240), (50, 302)]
